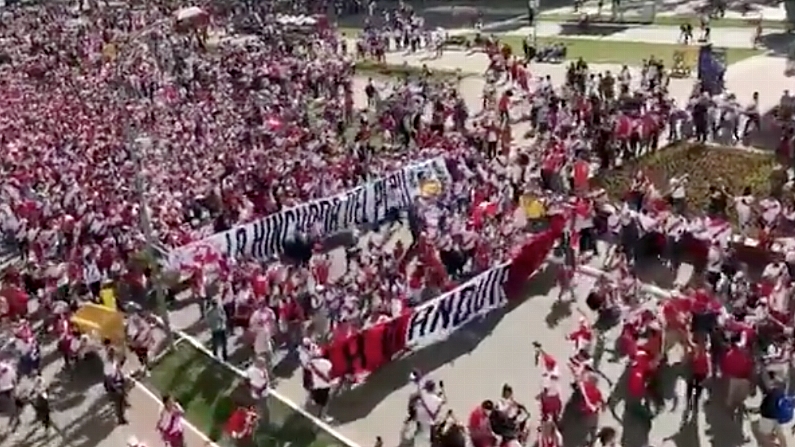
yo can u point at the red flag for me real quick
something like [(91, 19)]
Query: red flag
[(531, 256)]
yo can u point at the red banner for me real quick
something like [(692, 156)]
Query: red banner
[(367, 351), (530, 257)]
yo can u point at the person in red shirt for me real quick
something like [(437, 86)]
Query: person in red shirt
[(638, 373), (549, 435), (550, 402), (504, 107), (480, 426), (737, 365), (592, 404), (700, 364)]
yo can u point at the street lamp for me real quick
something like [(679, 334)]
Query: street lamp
[(136, 145), (532, 12), (139, 144)]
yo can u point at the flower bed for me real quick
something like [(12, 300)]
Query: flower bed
[(705, 166)]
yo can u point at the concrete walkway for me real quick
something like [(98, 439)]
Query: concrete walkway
[(651, 34), (83, 414), (742, 78), (677, 8)]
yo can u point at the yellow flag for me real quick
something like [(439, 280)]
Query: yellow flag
[(108, 297), (533, 208)]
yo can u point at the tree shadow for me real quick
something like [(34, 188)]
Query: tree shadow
[(724, 428), (71, 386), (652, 271), (687, 435), (602, 29), (769, 136), (90, 430), (207, 389), (357, 403), (777, 43), (558, 311), (287, 426)]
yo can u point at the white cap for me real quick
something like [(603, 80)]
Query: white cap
[(132, 441)]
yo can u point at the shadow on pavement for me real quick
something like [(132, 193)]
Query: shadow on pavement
[(777, 43), (596, 30), (769, 136), (93, 427), (358, 403), (723, 427)]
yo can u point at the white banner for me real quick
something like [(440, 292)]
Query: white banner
[(369, 203), (435, 320)]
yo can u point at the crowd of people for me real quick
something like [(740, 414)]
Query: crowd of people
[(223, 131)]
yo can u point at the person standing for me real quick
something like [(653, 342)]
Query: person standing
[(549, 435), (320, 390), (737, 366), (8, 384), (140, 339), (592, 404), (170, 423), (429, 410), (217, 321), (775, 409), (258, 379), (39, 399), (700, 363), (480, 432), (116, 386)]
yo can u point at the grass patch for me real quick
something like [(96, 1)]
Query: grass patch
[(624, 53), (370, 67), (706, 166), (209, 392), (349, 32), (676, 21)]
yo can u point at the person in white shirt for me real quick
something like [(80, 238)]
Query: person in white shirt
[(263, 324), (320, 392), (770, 210), (678, 193), (429, 411), (675, 227), (715, 257), (774, 271), (8, 382), (169, 423), (258, 379), (140, 340), (742, 204)]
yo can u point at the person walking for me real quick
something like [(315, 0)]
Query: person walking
[(775, 409)]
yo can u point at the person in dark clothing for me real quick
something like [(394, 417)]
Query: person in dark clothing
[(769, 428), (700, 121)]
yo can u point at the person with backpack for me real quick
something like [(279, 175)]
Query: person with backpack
[(775, 410)]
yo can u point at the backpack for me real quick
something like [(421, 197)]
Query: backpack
[(785, 406)]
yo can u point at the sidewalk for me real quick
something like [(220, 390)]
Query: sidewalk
[(84, 415), (674, 8), (742, 78), (651, 34)]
